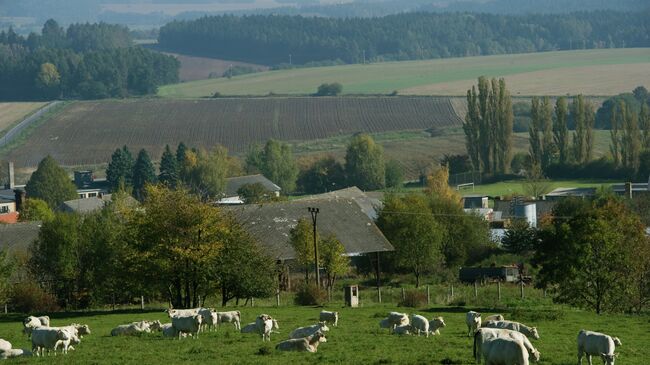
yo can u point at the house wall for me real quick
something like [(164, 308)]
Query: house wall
[(9, 207)]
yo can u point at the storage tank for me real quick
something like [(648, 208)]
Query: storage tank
[(528, 212)]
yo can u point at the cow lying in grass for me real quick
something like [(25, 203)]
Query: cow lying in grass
[(308, 344)]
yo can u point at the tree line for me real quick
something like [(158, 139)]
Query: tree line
[(273, 39), (90, 61)]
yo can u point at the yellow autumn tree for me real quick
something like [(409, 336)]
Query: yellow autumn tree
[(438, 184)]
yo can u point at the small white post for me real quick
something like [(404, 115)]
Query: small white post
[(428, 295), (142, 302)]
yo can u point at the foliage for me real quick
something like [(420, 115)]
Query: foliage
[(408, 224), (177, 240), (456, 163), (205, 172), (561, 130), (35, 210), (394, 174), (90, 61), (582, 113), (488, 126), (255, 193), (238, 70), (50, 183), (120, 169), (29, 297), (332, 89), (414, 299), (242, 269), (364, 163), (143, 174), (536, 184), (520, 237), (438, 184), (521, 162), (7, 267), (589, 254), (382, 38), (326, 174), (168, 169), (275, 161), (310, 294), (301, 238), (333, 259), (604, 113)]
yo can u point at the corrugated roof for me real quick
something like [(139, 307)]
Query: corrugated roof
[(83, 205), (18, 236), (270, 224), (368, 205), (234, 183)]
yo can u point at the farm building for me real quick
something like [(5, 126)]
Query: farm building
[(88, 186), (341, 216), (507, 274), (233, 184)]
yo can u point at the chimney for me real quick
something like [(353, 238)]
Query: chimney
[(11, 183), (628, 190)]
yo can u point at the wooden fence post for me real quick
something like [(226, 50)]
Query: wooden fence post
[(142, 302), (499, 291), (379, 294), (428, 295), (475, 290), (199, 301), (403, 295), (277, 297), (252, 302), (6, 308), (521, 289), (452, 291)]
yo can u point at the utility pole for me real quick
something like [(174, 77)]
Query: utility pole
[(289, 59), (364, 56), (314, 215)]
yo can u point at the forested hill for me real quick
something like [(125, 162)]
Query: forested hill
[(271, 39), (90, 61)]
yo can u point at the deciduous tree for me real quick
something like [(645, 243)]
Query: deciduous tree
[(364, 163), (301, 238), (333, 259), (50, 183), (561, 130)]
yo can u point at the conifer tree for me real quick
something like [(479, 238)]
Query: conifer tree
[(143, 173), (168, 169), (120, 169), (50, 183)]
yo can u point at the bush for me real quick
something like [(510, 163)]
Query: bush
[(29, 297), (332, 89), (264, 351), (414, 298), (310, 295)]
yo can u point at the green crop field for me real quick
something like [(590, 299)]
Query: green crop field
[(357, 339), (511, 187), (590, 72)]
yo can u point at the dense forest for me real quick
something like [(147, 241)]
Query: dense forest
[(271, 39), (91, 61)]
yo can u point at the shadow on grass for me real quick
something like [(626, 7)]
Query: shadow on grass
[(18, 317)]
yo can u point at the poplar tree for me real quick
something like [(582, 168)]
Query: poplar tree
[(616, 123), (472, 128), (630, 140), (644, 124), (504, 120), (535, 150), (546, 122), (580, 134), (590, 120), (561, 130)]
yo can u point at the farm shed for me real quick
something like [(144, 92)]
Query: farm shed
[(368, 204), (271, 223), (501, 273)]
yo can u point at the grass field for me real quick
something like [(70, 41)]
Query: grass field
[(589, 72), (201, 68), (357, 339), (516, 186), (12, 113)]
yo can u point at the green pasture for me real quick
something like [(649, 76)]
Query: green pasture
[(511, 187), (382, 78), (357, 339)]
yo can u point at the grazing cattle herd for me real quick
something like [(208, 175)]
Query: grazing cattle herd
[(496, 340)]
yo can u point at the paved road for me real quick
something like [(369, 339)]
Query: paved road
[(15, 131)]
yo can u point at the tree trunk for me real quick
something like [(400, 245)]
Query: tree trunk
[(417, 279), (224, 296)]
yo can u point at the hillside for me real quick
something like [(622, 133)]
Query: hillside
[(88, 132), (591, 72)]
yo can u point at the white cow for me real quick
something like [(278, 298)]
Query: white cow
[(308, 344), (597, 344), (398, 319), (211, 321), (504, 351), (494, 317), (182, 312), (190, 325), (8, 354), (30, 323), (515, 326), (487, 334), (249, 328), (435, 325), (307, 331), (76, 332), (233, 317), (329, 317), (385, 323), (265, 325), (404, 329), (5, 345), (66, 344), (131, 329), (45, 321), (419, 324), (473, 320), (45, 338)]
